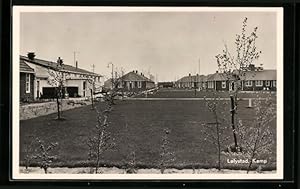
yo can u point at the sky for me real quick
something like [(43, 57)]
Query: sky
[(168, 45)]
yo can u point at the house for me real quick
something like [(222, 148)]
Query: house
[(132, 81), (26, 82), (259, 80), (255, 80), (165, 84), (192, 82), (77, 82), (219, 82)]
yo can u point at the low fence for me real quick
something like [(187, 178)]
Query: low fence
[(28, 111)]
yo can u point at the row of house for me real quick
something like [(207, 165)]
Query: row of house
[(35, 74), (252, 80), (133, 81)]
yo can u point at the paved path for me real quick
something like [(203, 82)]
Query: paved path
[(187, 98)]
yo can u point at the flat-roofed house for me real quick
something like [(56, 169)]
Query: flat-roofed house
[(77, 81)]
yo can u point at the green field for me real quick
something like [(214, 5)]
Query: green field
[(138, 126)]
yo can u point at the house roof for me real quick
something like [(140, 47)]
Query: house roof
[(53, 65), (192, 78), (248, 75), (260, 75), (25, 67), (133, 76), (217, 77)]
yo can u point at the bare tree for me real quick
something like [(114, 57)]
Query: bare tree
[(116, 89), (234, 66), (43, 155), (131, 168), (92, 88), (257, 137), (57, 80), (213, 132), (101, 140)]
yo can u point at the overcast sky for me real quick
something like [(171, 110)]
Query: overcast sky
[(168, 45)]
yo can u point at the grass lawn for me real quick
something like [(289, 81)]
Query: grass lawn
[(138, 126)]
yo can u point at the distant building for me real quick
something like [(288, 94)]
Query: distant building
[(253, 80), (192, 82), (165, 84), (132, 81), (77, 82)]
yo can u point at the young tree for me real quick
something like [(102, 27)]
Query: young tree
[(213, 132), (116, 89), (101, 140), (43, 155), (233, 66), (131, 168), (257, 137), (57, 80), (92, 88)]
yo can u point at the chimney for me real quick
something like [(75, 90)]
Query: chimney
[(76, 63), (59, 61), (31, 55)]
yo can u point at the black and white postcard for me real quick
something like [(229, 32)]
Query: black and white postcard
[(147, 93)]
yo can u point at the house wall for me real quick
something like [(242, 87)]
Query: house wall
[(219, 86), (23, 95), (42, 75), (258, 88)]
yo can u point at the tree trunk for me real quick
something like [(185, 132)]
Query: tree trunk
[(232, 111), (57, 102), (92, 97)]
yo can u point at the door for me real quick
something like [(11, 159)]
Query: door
[(37, 89), (84, 88), (231, 86)]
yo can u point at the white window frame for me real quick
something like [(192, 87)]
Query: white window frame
[(139, 84), (210, 85), (27, 83), (259, 83), (248, 83), (268, 83), (274, 83), (223, 84)]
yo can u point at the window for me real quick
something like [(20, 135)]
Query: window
[(27, 83), (274, 83), (223, 84), (267, 83), (259, 83), (139, 84), (248, 83), (210, 84)]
